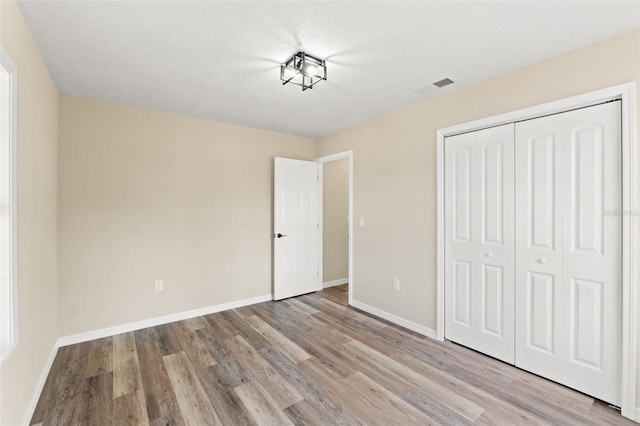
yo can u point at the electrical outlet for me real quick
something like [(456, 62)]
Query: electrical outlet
[(159, 285), (361, 222), (396, 284)]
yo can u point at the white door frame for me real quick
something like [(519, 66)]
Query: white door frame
[(627, 93), (328, 159)]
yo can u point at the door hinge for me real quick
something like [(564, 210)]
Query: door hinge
[(317, 273)]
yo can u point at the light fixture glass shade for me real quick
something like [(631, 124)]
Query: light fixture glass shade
[(303, 69)]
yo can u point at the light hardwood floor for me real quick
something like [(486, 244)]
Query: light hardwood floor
[(307, 360)]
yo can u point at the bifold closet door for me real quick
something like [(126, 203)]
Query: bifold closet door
[(479, 241), (568, 228)]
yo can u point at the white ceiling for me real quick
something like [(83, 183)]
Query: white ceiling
[(220, 60)]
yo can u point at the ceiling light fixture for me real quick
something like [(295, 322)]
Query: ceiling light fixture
[(303, 70)]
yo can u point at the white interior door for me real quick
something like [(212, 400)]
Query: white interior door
[(568, 186), (479, 241), (296, 233)]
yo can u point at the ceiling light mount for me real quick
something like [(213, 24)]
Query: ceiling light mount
[(303, 70)]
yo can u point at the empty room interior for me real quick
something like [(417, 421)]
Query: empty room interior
[(322, 212)]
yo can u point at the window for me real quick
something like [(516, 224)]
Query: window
[(8, 228)]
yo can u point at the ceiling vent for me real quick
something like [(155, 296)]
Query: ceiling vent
[(442, 83)]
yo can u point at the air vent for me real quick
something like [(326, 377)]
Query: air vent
[(443, 82)]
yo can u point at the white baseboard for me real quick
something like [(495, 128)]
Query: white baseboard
[(31, 408), (335, 282), (421, 329), (132, 326), (637, 419)]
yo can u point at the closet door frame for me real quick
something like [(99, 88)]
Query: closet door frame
[(630, 254)]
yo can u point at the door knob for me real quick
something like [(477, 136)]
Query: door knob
[(489, 254), (279, 235), (542, 260)]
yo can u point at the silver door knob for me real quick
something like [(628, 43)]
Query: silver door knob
[(542, 260), (489, 254)]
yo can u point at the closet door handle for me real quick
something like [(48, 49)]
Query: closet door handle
[(489, 254), (542, 260)]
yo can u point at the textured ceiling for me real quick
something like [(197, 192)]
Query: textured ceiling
[(220, 60)]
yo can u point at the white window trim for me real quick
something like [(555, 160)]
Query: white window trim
[(630, 244), (10, 66)]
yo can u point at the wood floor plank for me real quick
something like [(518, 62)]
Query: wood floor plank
[(69, 384), (126, 371), (159, 395), (221, 326), (193, 401), (168, 342), (195, 349), (261, 372), (435, 409), (226, 402), (100, 359), (315, 392), (302, 413), (171, 419), (381, 406), (231, 372), (449, 398), (244, 329), (130, 409), (47, 398), (290, 349), (261, 406), (97, 401), (300, 307), (195, 323)]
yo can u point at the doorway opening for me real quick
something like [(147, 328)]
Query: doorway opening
[(336, 230)]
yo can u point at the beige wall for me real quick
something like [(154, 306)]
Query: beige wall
[(145, 196), (395, 167), (37, 235), (335, 227)]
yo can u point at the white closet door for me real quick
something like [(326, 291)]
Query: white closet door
[(495, 291), (539, 332), (592, 249), (568, 185), (461, 236), (479, 235)]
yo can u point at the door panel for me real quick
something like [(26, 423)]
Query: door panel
[(592, 249), (462, 293), (541, 188), (539, 332), (479, 274), (492, 301), (585, 329), (296, 218), (492, 192), (495, 293), (586, 189), (460, 247), (540, 312), (462, 193)]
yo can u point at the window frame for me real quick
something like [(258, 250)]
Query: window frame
[(12, 140)]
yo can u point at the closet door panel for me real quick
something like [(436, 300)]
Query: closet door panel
[(539, 330), (494, 296), (461, 274), (591, 262)]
